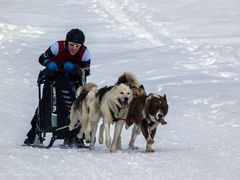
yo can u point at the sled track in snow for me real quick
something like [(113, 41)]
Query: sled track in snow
[(132, 18), (135, 22)]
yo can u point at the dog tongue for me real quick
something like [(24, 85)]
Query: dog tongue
[(125, 104)]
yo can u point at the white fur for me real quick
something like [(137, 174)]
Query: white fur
[(110, 103)]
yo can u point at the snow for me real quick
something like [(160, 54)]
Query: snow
[(186, 49)]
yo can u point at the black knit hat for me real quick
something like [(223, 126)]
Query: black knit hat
[(76, 36)]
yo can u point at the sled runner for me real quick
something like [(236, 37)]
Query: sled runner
[(56, 95)]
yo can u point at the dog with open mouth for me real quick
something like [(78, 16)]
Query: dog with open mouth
[(112, 104), (130, 80), (146, 112)]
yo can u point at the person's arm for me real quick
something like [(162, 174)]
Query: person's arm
[(85, 63), (51, 52)]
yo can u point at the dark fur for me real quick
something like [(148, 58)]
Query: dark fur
[(79, 100), (137, 105), (128, 79), (141, 112), (102, 91)]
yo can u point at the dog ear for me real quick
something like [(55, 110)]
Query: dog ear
[(165, 97), (116, 86), (142, 90), (142, 87)]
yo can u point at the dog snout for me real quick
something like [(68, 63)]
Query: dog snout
[(125, 99)]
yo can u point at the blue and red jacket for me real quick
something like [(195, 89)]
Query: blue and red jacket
[(58, 52)]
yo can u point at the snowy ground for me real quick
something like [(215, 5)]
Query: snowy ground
[(186, 49)]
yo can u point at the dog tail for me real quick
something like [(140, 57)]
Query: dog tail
[(81, 94), (92, 100), (128, 79), (73, 117), (86, 87)]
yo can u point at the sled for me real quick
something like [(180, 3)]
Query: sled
[(56, 95)]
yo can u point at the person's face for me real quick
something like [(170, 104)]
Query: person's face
[(73, 48)]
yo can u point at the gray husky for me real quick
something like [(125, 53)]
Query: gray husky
[(80, 108), (112, 104), (137, 90)]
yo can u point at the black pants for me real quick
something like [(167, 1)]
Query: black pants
[(32, 132)]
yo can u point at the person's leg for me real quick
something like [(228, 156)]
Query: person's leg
[(79, 143), (32, 132), (71, 139)]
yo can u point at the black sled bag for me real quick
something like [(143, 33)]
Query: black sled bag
[(58, 94)]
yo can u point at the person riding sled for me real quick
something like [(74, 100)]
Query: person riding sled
[(65, 61)]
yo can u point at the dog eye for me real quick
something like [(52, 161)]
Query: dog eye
[(121, 92)]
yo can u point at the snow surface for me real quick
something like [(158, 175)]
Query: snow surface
[(186, 49)]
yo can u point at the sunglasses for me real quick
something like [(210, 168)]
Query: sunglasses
[(74, 44)]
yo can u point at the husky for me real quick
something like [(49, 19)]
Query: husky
[(79, 110), (137, 90), (112, 104), (146, 112)]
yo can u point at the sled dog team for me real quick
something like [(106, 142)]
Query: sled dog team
[(126, 102)]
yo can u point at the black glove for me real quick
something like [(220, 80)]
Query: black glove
[(77, 70)]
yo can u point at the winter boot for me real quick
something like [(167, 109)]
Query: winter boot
[(68, 142), (28, 141), (79, 143), (36, 141)]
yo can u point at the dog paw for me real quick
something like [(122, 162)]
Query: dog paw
[(113, 149), (100, 140), (88, 140), (108, 144), (149, 150), (91, 147), (119, 147), (133, 148)]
